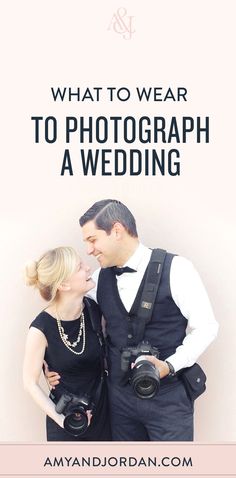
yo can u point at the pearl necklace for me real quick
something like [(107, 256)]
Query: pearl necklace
[(64, 337)]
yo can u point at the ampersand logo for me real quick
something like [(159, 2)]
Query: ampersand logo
[(122, 23)]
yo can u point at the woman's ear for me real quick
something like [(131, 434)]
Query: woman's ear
[(64, 286)]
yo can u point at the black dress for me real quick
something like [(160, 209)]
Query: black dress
[(80, 374)]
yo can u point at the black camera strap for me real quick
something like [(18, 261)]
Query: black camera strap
[(149, 293), (143, 312), (95, 319)]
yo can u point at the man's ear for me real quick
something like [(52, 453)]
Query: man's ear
[(64, 286), (118, 229)]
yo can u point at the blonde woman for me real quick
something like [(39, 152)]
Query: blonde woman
[(67, 335)]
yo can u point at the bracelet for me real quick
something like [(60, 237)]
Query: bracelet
[(172, 372)]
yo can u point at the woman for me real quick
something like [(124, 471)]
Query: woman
[(67, 335)]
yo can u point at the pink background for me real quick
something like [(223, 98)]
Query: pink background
[(67, 43)]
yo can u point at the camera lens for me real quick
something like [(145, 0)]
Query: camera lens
[(145, 379), (145, 388), (76, 423)]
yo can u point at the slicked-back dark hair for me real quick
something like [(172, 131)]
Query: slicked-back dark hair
[(106, 213)]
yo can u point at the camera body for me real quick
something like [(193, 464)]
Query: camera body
[(143, 376), (75, 410)]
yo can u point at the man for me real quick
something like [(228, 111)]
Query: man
[(109, 231)]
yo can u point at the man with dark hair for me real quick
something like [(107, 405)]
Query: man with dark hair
[(109, 231), (106, 213)]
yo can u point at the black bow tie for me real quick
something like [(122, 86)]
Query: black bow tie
[(120, 270)]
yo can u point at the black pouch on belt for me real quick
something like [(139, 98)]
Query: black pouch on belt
[(194, 380)]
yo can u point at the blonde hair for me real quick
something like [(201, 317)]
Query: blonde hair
[(51, 270)]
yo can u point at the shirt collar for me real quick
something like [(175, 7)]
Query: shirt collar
[(139, 254)]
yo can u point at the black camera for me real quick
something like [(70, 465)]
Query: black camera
[(74, 408), (144, 377)]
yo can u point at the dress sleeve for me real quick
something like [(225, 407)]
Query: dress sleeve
[(40, 323)]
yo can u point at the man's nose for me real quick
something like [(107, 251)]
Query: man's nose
[(90, 249)]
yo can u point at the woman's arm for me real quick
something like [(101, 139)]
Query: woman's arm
[(34, 355)]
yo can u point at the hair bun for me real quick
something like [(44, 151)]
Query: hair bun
[(31, 273)]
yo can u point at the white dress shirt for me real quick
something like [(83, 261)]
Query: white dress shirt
[(188, 293)]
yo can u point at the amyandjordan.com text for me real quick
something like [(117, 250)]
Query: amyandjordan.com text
[(121, 461)]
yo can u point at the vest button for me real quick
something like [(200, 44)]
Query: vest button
[(130, 336), (198, 380)]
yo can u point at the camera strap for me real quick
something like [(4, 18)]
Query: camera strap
[(95, 319), (149, 293)]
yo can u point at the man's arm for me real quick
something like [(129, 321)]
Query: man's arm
[(53, 378), (189, 294)]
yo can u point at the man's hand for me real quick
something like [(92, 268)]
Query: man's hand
[(53, 378), (159, 364)]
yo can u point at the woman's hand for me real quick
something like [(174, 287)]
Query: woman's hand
[(53, 379), (89, 416), (60, 420)]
